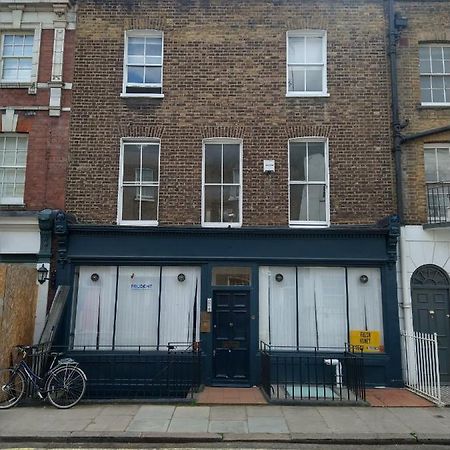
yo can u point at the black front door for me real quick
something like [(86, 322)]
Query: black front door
[(431, 314), (231, 325)]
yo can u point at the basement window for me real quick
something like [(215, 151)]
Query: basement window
[(143, 64)]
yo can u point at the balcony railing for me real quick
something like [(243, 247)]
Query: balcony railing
[(312, 375), (438, 199)]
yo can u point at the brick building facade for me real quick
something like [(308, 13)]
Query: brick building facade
[(231, 161), (424, 101), (36, 56)]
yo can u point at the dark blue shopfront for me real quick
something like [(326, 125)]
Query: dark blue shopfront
[(141, 294)]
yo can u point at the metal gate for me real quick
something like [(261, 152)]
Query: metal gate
[(421, 365)]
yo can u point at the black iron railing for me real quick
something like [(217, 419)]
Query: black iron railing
[(144, 372), (310, 374), (438, 199)]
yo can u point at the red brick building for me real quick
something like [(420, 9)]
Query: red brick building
[(36, 75)]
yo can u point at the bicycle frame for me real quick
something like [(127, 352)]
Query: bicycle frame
[(35, 380)]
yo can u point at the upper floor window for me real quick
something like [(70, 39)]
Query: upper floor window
[(222, 183), (143, 64), (16, 57), (437, 176), (308, 182), (139, 183), (307, 63), (435, 74), (13, 159)]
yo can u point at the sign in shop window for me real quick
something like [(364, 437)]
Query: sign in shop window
[(368, 341)]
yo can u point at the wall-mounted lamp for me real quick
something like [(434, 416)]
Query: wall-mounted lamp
[(364, 279), (279, 277), (42, 274), (181, 277)]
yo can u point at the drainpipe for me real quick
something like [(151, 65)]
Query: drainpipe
[(395, 25)]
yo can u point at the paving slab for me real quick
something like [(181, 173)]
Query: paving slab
[(109, 423), (264, 411), (119, 410), (228, 426), (155, 411), (420, 420), (228, 413), (191, 412), (149, 425), (304, 420), (381, 420), (184, 425), (342, 419), (267, 425)]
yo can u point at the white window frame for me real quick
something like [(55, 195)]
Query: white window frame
[(138, 141), (431, 74), (36, 33), (14, 200), (142, 33), (308, 33), (310, 223), (222, 141)]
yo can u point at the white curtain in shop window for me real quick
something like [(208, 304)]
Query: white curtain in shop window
[(94, 310), (322, 307), (277, 310), (364, 300), (178, 300), (137, 306)]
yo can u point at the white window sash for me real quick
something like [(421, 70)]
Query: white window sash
[(126, 64), (325, 183), (123, 184), (222, 141), (308, 33)]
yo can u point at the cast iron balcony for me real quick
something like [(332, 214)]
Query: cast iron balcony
[(438, 198)]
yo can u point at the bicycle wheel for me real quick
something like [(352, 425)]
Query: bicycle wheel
[(65, 386), (12, 388)]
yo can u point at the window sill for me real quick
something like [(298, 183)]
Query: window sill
[(122, 95), (15, 84), (221, 225), (307, 94), (434, 106), (139, 223), (309, 225)]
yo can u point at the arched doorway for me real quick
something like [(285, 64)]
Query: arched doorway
[(430, 291)]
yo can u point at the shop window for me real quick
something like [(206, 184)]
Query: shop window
[(308, 308), (124, 308)]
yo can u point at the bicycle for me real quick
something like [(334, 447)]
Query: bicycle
[(63, 384)]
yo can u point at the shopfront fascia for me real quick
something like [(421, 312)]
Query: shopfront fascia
[(249, 282)]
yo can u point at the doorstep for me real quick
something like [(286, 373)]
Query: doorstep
[(395, 397), (230, 396)]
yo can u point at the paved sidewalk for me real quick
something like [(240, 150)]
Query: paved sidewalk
[(169, 423)]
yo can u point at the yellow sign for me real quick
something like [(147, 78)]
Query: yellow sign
[(365, 341)]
